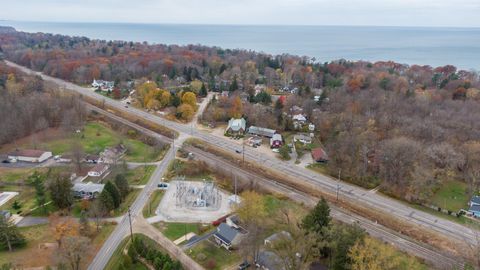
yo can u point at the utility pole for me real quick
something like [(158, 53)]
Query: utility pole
[(130, 222), (243, 151), (338, 182)]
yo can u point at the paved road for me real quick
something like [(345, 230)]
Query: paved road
[(122, 229), (437, 258), (324, 183)]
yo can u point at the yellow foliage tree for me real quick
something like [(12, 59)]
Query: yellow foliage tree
[(190, 99), (252, 208), (196, 85), (370, 254), (164, 98), (153, 104), (236, 110), (186, 111), (145, 92)]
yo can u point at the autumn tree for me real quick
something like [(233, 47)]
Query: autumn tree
[(190, 99), (236, 109), (252, 212), (185, 111), (62, 227), (73, 250), (370, 254)]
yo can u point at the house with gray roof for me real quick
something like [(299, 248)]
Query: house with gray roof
[(87, 190), (226, 236), (261, 131), (268, 260)]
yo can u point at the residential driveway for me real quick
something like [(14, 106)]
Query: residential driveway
[(32, 221)]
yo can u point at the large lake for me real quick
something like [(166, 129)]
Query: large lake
[(410, 45)]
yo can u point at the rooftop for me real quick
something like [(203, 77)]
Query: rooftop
[(226, 233), (88, 187), (28, 153)]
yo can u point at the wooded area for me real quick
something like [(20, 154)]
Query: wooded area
[(408, 128), (27, 106)]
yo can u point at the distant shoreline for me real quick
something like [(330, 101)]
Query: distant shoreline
[(434, 46)]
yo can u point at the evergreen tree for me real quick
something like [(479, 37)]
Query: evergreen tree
[(36, 179), (234, 85), (203, 90), (114, 193), (318, 218), (106, 200), (10, 236), (61, 191), (176, 101), (122, 184), (16, 205)]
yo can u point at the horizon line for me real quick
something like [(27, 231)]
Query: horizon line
[(246, 24)]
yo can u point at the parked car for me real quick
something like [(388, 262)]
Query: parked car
[(244, 265), (162, 185), (238, 151)]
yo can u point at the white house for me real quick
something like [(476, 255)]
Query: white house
[(30, 155), (103, 85), (98, 170), (303, 138)]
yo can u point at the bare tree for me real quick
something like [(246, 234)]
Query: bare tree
[(73, 249)]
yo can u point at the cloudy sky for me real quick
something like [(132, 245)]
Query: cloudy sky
[(284, 12)]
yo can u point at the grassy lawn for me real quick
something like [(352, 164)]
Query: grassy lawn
[(318, 167), (153, 202), (122, 209), (173, 230), (452, 196), (208, 254), (96, 137), (33, 256), (140, 175)]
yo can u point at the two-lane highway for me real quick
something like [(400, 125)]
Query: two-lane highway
[(348, 192), (123, 227)]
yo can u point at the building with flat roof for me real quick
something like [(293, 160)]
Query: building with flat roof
[(30, 155), (261, 131)]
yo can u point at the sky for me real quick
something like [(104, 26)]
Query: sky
[(452, 13)]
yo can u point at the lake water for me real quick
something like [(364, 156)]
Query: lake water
[(410, 45)]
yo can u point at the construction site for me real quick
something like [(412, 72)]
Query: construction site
[(193, 201)]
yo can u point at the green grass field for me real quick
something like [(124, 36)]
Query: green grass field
[(122, 209), (140, 175), (173, 230), (96, 137), (153, 202), (452, 196), (208, 254)]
